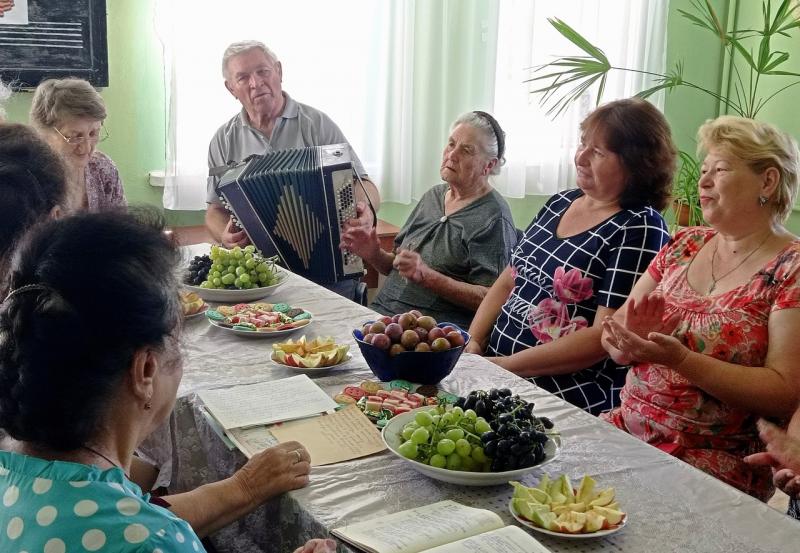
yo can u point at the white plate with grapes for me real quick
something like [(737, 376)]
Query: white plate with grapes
[(393, 438), (231, 276)]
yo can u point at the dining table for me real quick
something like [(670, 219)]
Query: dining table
[(670, 506)]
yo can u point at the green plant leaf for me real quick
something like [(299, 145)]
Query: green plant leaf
[(745, 54), (578, 40), (779, 58)]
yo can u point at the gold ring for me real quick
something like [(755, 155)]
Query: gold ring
[(299, 457)]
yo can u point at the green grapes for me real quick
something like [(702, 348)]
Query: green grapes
[(241, 268), (446, 438)]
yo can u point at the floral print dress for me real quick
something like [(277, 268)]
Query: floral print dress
[(665, 409), (560, 282)]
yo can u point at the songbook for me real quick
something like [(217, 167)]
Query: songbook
[(443, 527), (331, 438), (266, 402)]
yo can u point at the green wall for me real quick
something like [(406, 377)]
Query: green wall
[(135, 98)]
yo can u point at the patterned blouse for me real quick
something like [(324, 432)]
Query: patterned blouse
[(55, 507), (559, 282), (103, 184), (665, 409)]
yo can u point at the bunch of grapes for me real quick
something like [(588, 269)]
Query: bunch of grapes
[(239, 268), (199, 268), (447, 437), (517, 437)]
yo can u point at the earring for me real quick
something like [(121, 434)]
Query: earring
[(762, 200), (148, 405)]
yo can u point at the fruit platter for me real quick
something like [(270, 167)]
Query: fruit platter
[(318, 354), (380, 402), (238, 274), (191, 304), (554, 507), (259, 319), (454, 444)]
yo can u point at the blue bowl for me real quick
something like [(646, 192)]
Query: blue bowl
[(421, 367)]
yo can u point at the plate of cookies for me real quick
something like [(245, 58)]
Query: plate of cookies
[(259, 320)]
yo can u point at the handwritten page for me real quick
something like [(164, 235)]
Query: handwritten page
[(341, 436), (266, 402), (252, 440), (418, 529), (17, 15), (511, 539)]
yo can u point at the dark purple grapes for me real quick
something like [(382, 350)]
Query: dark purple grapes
[(198, 270)]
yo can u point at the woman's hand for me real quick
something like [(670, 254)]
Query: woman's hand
[(647, 316), (317, 546), (360, 237), (655, 348), (274, 471), (411, 266), (233, 236), (474, 347), (783, 454)]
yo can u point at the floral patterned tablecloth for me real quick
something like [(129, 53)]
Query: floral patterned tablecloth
[(671, 506)]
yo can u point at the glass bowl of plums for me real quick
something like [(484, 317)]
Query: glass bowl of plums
[(410, 346)]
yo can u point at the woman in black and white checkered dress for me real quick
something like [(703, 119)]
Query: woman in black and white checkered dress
[(580, 257)]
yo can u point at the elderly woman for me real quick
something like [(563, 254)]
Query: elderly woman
[(70, 113), (83, 382), (580, 257), (712, 326), (32, 186), (458, 237)]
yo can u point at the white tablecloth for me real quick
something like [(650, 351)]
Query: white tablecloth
[(671, 506)]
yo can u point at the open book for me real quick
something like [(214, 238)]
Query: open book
[(443, 527)]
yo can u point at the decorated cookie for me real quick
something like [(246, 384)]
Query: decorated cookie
[(355, 392), (304, 315), (370, 386), (428, 390), (215, 315), (344, 398), (245, 326), (293, 313), (400, 385), (281, 307)]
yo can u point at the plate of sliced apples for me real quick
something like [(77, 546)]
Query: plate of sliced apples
[(555, 508), (317, 355)]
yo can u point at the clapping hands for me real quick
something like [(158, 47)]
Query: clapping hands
[(644, 334), (782, 454)]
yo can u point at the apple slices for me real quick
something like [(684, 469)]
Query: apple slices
[(556, 506), (310, 354)]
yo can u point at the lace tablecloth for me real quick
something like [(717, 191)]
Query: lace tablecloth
[(671, 506)]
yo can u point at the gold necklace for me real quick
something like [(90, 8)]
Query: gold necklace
[(714, 279)]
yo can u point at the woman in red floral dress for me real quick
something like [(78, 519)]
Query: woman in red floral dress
[(712, 326)]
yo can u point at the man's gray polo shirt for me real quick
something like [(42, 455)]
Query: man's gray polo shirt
[(298, 126)]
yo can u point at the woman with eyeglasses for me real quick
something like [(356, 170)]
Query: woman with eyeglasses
[(70, 114)]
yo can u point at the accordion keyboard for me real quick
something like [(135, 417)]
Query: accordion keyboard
[(344, 196)]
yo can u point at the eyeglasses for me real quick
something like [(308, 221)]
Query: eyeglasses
[(95, 136)]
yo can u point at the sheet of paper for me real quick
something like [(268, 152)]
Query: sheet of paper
[(341, 436), (510, 539), (419, 529), (266, 402), (18, 15), (252, 440)]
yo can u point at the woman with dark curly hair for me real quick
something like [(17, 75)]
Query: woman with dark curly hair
[(32, 186), (580, 257), (83, 380)]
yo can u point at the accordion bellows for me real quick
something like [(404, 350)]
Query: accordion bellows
[(293, 203)]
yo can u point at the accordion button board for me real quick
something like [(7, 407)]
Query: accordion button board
[(293, 203)]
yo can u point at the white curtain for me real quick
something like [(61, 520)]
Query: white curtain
[(632, 33), (324, 47), (393, 74)]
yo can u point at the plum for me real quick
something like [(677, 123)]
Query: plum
[(368, 338), (378, 327), (455, 338), (381, 341), (407, 321), (440, 344), (426, 322), (435, 333), (395, 349), (394, 331), (409, 339), (422, 346)]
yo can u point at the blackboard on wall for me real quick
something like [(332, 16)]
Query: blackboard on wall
[(62, 38)]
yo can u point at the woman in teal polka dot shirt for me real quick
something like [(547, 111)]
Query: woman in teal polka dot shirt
[(89, 366)]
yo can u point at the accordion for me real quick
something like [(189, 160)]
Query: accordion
[(293, 203)]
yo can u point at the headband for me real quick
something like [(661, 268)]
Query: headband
[(28, 288), (498, 132)]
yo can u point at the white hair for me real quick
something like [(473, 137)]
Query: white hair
[(490, 142), (245, 46), (5, 94)]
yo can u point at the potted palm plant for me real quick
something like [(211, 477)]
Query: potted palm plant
[(567, 78)]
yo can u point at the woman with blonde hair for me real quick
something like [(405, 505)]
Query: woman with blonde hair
[(711, 328), (70, 114)]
